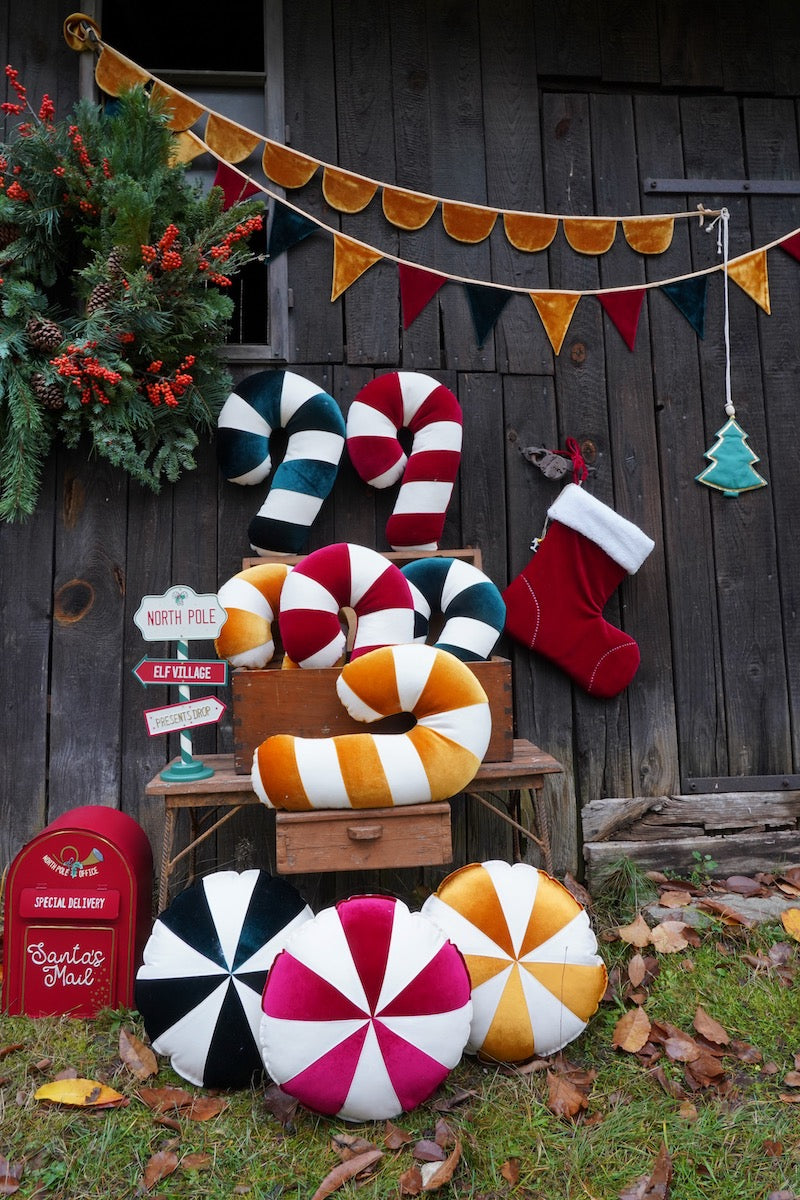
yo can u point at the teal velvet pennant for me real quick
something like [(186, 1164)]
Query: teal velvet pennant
[(287, 229), (689, 297), (485, 304), (730, 468)]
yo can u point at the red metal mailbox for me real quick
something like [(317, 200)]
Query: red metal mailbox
[(78, 910)]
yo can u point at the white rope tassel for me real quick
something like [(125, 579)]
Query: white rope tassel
[(723, 248)]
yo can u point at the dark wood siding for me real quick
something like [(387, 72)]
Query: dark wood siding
[(526, 104)]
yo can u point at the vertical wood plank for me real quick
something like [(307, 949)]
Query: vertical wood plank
[(690, 53), (567, 38), (771, 141), (629, 41), (746, 40), (366, 146), (542, 693), (315, 325), (514, 172), (89, 610), (459, 166), (754, 670), (422, 342), (677, 397), (26, 613), (581, 399), (643, 596)]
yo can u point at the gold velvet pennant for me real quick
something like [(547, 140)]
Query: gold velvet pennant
[(407, 210), (466, 223), (287, 167), (186, 146), (589, 235), (115, 74), (555, 310), (229, 140), (750, 273), (577, 985), (183, 111), (529, 231), (350, 260), (345, 192), (649, 235)]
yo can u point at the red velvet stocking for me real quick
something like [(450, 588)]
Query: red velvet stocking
[(555, 606)]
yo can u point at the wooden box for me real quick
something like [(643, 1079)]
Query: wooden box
[(305, 703), (346, 840)]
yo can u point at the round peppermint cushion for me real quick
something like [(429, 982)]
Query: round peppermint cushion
[(365, 1011), (205, 966), (531, 955)]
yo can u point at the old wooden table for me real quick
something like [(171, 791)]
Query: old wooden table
[(228, 791)]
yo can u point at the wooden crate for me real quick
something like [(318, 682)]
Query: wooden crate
[(411, 835), (305, 703)]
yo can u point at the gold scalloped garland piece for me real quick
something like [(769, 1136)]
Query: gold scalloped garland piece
[(530, 232), (346, 193), (407, 210)]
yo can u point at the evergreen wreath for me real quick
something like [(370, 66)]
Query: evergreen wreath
[(113, 308)]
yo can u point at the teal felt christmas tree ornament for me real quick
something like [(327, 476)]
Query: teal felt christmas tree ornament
[(730, 459), (730, 468)]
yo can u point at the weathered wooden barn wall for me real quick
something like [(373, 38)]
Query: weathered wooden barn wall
[(565, 108)]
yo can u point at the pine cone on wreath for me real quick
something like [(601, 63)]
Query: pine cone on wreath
[(114, 264), (100, 296), (8, 234), (44, 334), (50, 395)]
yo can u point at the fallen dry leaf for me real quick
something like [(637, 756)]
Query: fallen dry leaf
[(204, 1108), (655, 1186), (80, 1093), (510, 1171), (564, 1099), (635, 934), (668, 937), (196, 1162), (428, 1151), (688, 1111), (631, 1031), (675, 899), (436, 1175), (138, 1058), (164, 1099), (448, 1103), (411, 1182), (681, 1048), (637, 970), (444, 1134), (790, 919), (671, 1086), (728, 915), (345, 1171), (350, 1147), (791, 1079), (394, 1138), (159, 1167), (710, 1029), (11, 1048), (743, 885), (772, 1149), (281, 1106), (10, 1176)]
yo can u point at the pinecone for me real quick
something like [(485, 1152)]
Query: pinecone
[(44, 334), (100, 296), (114, 264), (51, 395), (8, 234)]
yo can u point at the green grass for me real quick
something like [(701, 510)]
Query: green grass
[(720, 1154)]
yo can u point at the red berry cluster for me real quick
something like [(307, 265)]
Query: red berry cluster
[(84, 371), (162, 254), (165, 389), (222, 251), (22, 94)]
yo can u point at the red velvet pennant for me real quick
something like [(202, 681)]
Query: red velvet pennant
[(791, 245), (235, 188), (624, 308), (417, 289)]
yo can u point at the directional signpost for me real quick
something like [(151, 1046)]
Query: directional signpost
[(183, 615)]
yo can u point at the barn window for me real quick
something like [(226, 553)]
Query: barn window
[(236, 70)]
